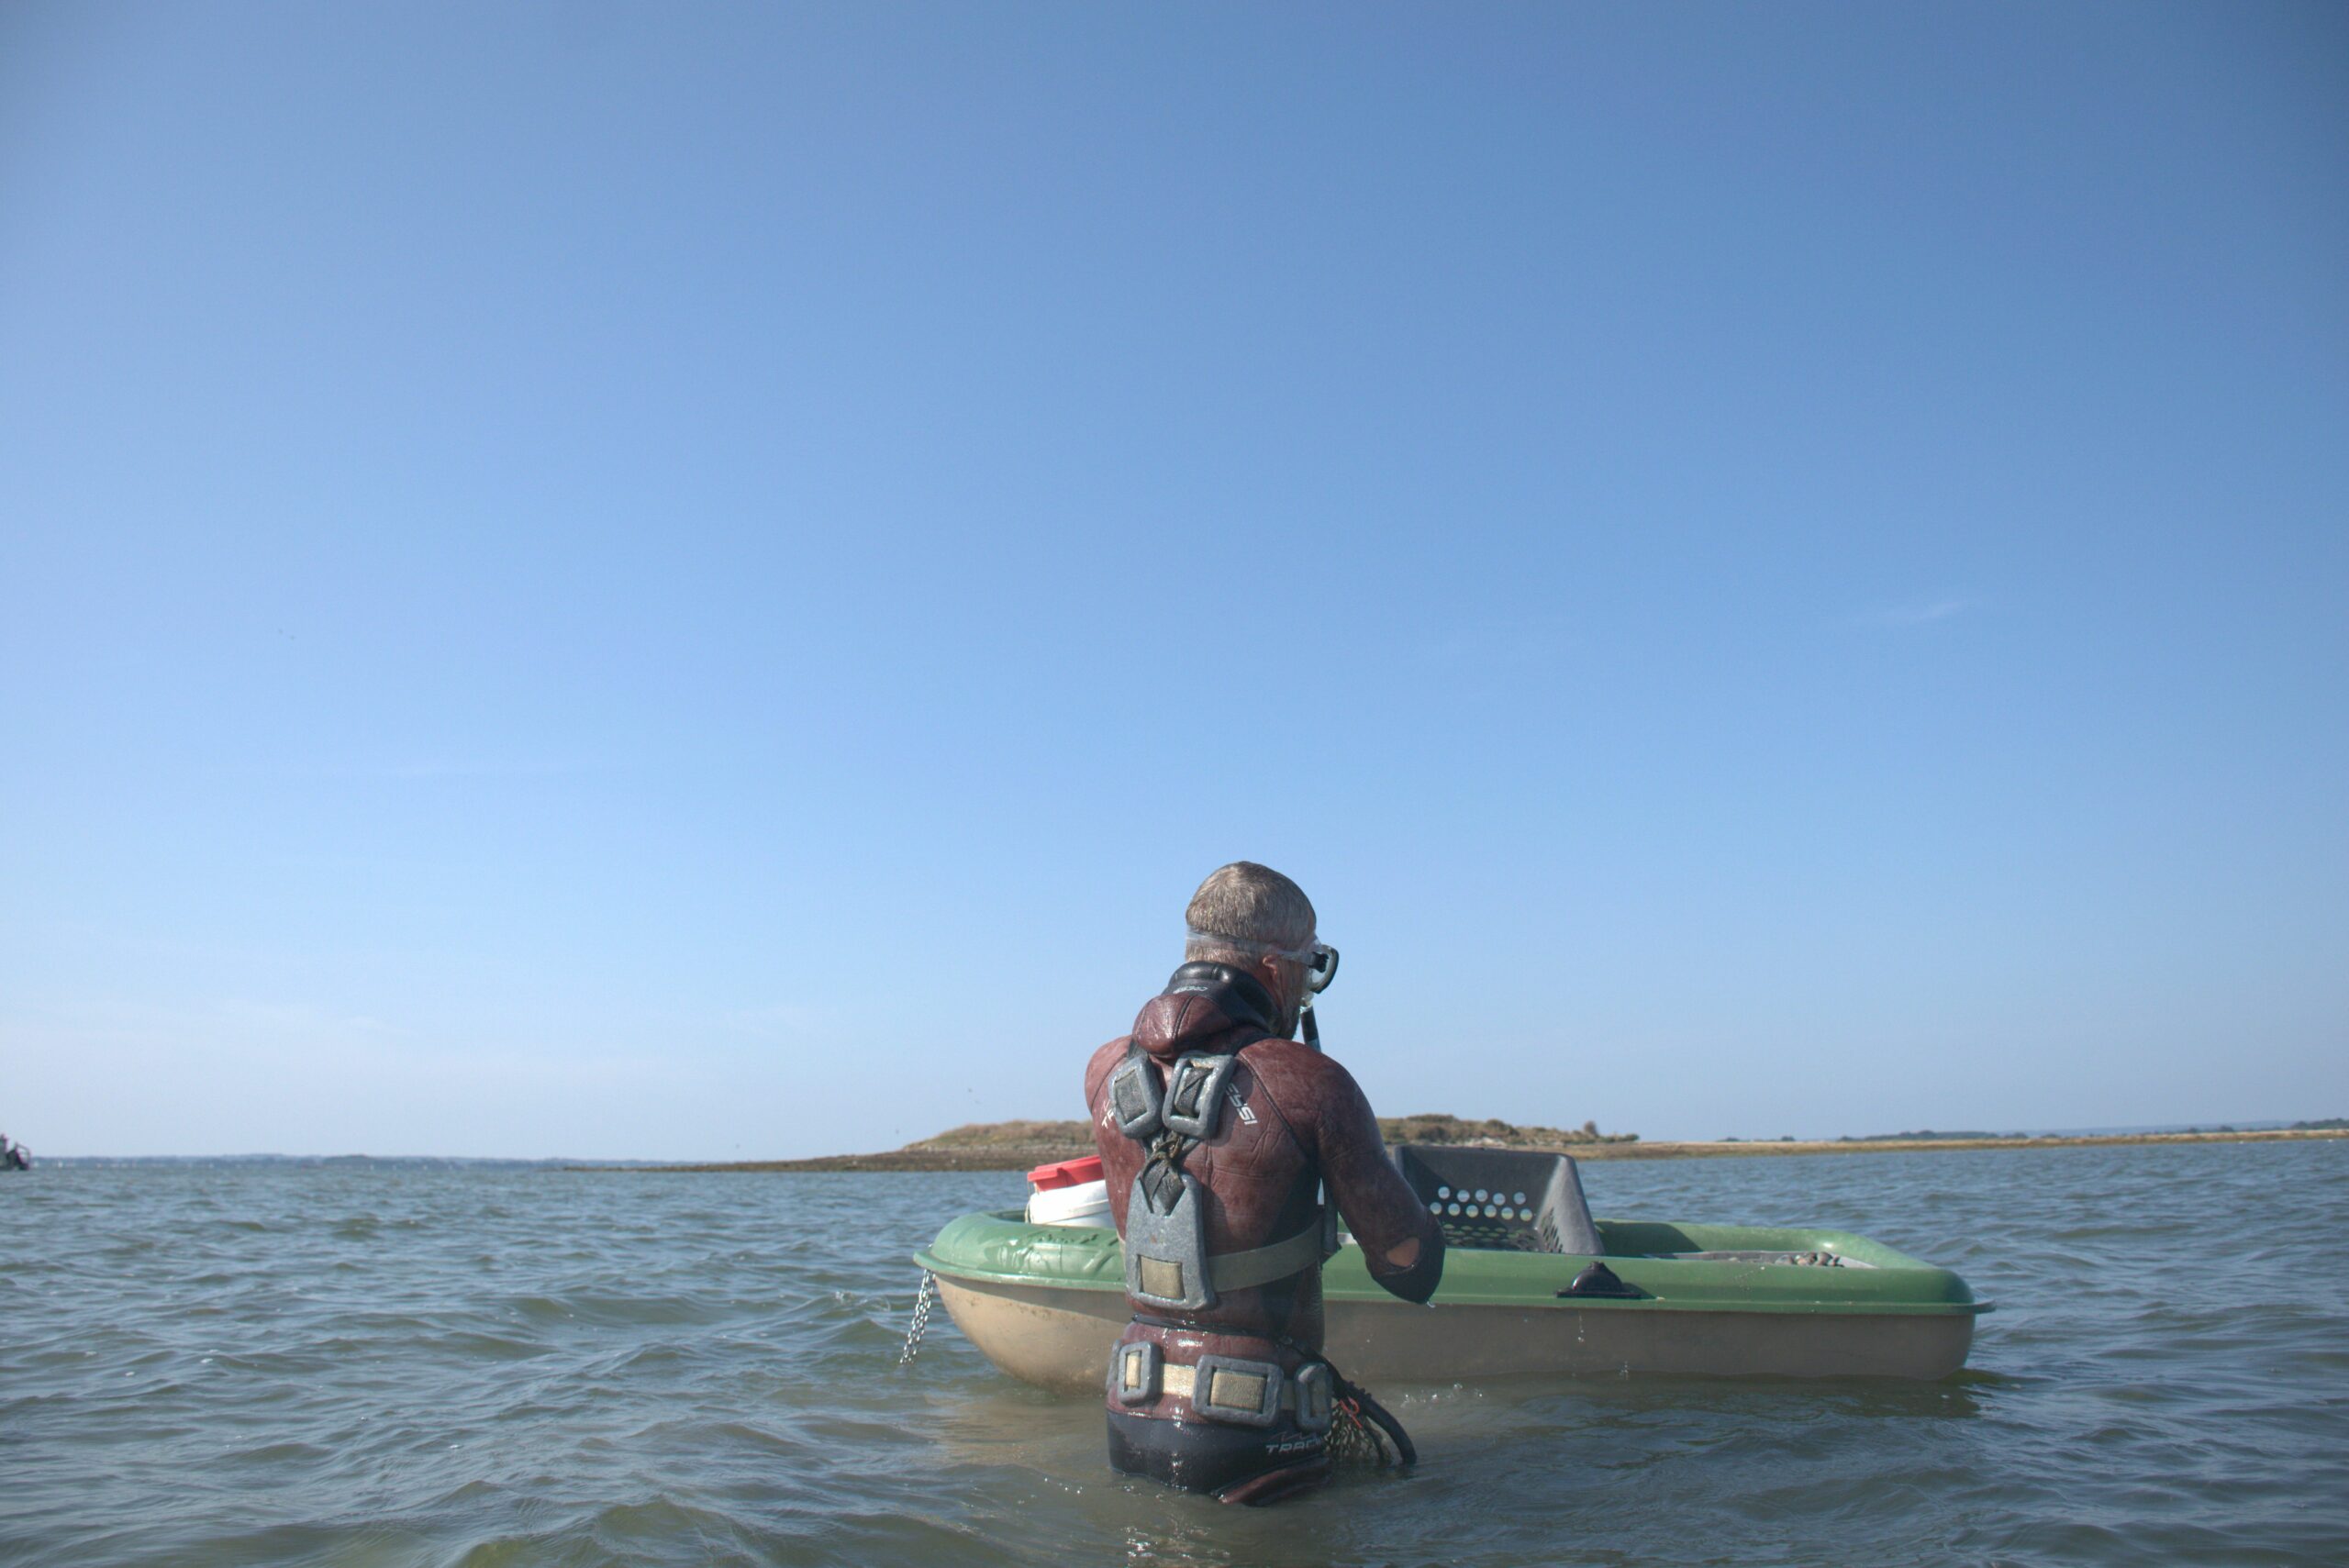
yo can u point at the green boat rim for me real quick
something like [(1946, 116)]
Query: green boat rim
[(1001, 1247)]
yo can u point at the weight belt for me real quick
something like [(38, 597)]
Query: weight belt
[(1237, 1389)]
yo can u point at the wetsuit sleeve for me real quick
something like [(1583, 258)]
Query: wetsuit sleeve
[(1380, 1206)]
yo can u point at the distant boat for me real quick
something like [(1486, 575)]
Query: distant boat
[(13, 1156)]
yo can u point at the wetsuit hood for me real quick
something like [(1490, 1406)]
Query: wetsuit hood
[(1201, 1003)]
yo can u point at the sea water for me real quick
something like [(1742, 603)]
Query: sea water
[(397, 1365)]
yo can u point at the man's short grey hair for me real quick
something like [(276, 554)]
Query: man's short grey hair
[(1247, 909)]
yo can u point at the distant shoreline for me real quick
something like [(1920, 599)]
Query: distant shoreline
[(919, 1158)]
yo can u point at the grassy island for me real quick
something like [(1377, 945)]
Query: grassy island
[(1019, 1145)]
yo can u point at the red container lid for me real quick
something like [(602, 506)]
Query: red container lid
[(1065, 1173)]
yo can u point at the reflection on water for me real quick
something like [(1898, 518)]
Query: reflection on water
[(410, 1367)]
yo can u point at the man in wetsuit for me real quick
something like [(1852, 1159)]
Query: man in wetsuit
[(1217, 1134)]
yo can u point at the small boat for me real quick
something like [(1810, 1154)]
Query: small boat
[(1531, 1284), (13, 1156)]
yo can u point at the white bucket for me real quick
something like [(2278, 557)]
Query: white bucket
[(1087, 1203)]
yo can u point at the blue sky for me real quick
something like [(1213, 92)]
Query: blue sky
[(660, 582)]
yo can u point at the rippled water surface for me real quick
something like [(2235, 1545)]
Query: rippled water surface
[(251, 1366)]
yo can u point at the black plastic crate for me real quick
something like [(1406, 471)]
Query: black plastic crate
[(1501, 1200)]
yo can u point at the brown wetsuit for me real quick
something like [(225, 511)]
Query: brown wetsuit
[(1292, 1119)]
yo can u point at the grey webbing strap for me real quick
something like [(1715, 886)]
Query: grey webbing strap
[(1263, 1265)]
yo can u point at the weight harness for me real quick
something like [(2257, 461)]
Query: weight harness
[(1167, 1262), (1169, 1267)]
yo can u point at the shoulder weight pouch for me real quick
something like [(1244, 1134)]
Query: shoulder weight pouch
[(1135, 1097), (1195, 1088)]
